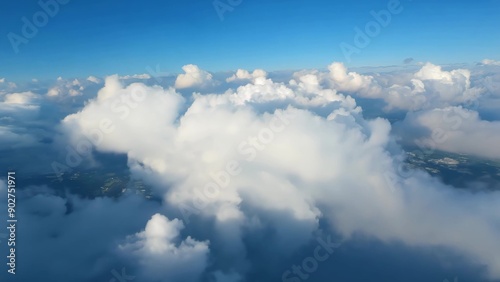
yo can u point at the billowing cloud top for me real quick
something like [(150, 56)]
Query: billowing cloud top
[(193, 77), (244, 75)]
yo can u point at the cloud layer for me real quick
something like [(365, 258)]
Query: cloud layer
[(253, 170), (264, 155)]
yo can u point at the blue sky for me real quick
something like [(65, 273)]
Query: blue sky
[(105, 37)]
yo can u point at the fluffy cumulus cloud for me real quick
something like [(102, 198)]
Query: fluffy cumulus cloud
[(161, 257), (429, 87), (343, 80), (24, 98), (21, 106), (278, 158), (338, 78), (193, 77), (246, 175), (452, 129), (432, 86), (93, 79), (242, 75), (66, 88), (455, 111)]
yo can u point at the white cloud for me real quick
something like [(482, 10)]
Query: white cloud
[(64, 88), (21, 107), (161, 258), (245, 164), (193, 77), (489, 62), (136, 76), (342, 80), (443, 88), (320, 161), (452, 129), (54, 91), (93, 79), (244, 75), (429, 87), (20, 98)]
